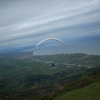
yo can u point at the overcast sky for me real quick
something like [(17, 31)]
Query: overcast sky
[(26, 22)]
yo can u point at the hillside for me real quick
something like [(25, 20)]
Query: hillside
[(27, 77), (91, 92), (86, 87)]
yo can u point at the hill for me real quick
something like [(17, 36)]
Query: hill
[(82, 89), (91, 92), (27, 77)]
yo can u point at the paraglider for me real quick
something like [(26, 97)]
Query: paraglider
[(50, 39), (52, 64)]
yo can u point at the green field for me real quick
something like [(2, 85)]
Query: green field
[(91, 92), (23, 75)]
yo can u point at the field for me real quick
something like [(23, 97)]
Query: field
[(91, 92), (27, 75)]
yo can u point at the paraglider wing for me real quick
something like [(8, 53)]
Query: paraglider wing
[(49, 39)]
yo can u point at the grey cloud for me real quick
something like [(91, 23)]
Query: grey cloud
[(25, 10), (23, 19)]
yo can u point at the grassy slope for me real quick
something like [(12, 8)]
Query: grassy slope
[(91, 92)]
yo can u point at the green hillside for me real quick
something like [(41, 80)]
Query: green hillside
[(86, 88), (27, 77), (91, 92)]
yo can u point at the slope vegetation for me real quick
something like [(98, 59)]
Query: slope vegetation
[(91, 92)]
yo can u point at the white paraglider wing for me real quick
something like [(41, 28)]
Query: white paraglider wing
[(49, 39)]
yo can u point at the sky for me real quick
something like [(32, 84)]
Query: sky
[(24, 23)]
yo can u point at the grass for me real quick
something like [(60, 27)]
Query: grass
[(91, 92)]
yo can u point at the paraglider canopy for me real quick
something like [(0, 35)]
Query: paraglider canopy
[(50, 39), (55, 39)]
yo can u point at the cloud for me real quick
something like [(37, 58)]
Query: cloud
[(23, 22)]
